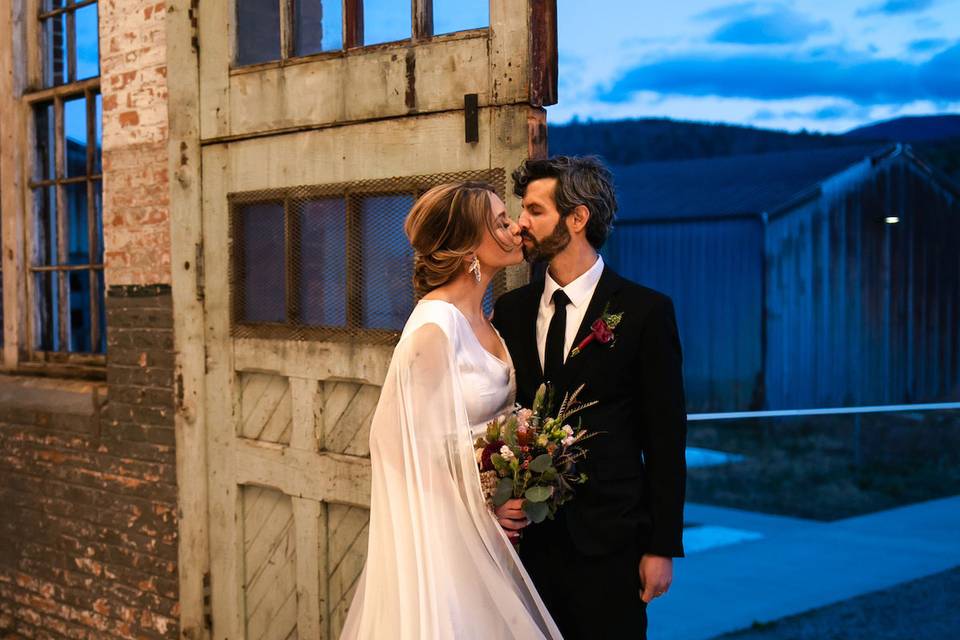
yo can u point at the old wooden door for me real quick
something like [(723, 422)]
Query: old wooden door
[(310, 160)]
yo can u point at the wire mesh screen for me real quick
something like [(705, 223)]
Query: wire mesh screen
[(330, 262)]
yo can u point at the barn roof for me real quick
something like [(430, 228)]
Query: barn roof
[(728, 186)]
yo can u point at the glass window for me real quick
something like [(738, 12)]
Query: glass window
[(88, 47), (458, 15), (319, 26), (75, 131), (323, 286), (66, 255), (386, 21), (258, 31), (386, 259), (263, 270)]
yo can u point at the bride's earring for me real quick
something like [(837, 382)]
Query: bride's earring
[(475, 268)]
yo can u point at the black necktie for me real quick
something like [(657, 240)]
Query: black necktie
[(556, 336)]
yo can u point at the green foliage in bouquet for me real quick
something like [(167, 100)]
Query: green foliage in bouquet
[(529, 454)]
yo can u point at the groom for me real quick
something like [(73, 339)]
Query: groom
[(610, 550)]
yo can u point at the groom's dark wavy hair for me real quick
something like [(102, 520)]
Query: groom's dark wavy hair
[(581, 180)]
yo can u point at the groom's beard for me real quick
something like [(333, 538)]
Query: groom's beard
[(547, 249)]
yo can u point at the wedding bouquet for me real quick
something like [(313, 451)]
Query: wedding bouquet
[(531, 455)]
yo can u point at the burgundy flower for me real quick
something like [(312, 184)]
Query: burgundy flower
[(524, 436), (601, 331), (489, 450)]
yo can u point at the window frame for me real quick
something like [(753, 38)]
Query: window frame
[(421, 22), (353, 193), (24, 24)]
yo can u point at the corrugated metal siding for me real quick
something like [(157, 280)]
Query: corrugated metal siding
[(713, 272), (860, 311)]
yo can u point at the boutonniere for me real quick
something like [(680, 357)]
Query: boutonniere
[(601, 330)]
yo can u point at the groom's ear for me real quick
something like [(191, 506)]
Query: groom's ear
[(578, 218)]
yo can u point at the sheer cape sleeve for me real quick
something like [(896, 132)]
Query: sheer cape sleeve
[(438, 564)]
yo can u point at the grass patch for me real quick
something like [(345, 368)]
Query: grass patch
[(811, 467)]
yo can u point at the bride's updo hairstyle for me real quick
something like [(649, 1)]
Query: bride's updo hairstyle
[(445, 225)]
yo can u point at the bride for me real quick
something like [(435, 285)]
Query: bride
[(439, 565)]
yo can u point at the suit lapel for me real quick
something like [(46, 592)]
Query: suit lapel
[(531, 353), (608, 284)]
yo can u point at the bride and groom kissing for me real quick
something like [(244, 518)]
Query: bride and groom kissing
[(440, 563)]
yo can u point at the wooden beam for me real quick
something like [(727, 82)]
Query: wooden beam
[(326, 477), (422, 20), (186, 224), (14, 169), (543, 52), (352, 24)]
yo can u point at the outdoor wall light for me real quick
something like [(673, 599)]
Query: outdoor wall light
[(891, 219)]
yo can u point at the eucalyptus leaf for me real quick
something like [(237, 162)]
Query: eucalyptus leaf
[(541, 463), (538, 493), (536, 511), (503, 492)]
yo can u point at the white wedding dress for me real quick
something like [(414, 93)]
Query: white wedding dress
[(439, 567)]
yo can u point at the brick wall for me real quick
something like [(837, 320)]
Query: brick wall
[(133, 81), (88, 543), (88, 528)]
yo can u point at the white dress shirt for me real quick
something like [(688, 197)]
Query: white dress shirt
[(580, 292)]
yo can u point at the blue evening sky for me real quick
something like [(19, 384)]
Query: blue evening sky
[(791, 64)]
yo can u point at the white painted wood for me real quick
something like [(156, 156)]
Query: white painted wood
[(310, 518), (315, 360), (270, 564), (354, 88), (348, 528), (222, 410), (216, 32), (266, 412), (419, 145), (186, 224), (349, 411), (307, 414), (329, 477)]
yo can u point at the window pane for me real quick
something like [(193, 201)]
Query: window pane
[(44, 131), (323, 285), (78, 242), (79, 298), (386, 20), (75, 129), (258, 31), (45, 305), (98, 143), (55, 49), (318, 26), (88, 49), (386, 262), (263, 267), (45, 227), (458, 15)]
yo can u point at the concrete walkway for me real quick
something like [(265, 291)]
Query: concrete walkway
[(786, 566)]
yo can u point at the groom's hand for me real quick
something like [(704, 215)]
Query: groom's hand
[(656, 576), (511, 517)]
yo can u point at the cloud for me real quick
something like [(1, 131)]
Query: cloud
[(927, 45), (729, 11), (896, 7), (852, 77), (777, 25)]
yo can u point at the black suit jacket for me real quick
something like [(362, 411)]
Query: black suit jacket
[(636, 467)]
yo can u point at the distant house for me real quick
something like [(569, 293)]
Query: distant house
[(801, 279)]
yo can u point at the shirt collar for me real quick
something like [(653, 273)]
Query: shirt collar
[(580, 290)]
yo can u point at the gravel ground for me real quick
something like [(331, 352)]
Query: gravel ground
[(924, 609)]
